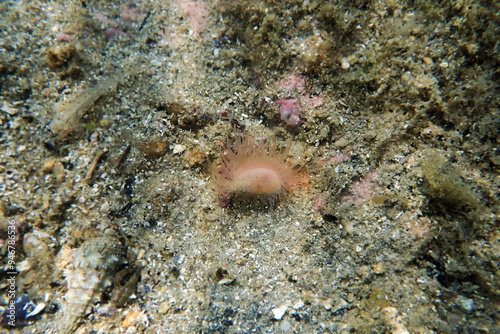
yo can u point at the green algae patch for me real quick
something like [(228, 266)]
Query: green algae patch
[(444, 184)]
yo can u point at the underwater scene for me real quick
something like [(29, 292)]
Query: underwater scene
[(250, 166)]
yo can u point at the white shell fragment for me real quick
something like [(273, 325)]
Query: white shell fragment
[(179, 148), (279, 312), (37, 310), (92, 262), (6, 107), (344, 64), (298, 305)]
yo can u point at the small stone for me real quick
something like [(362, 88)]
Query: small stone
[(344, 64), (34, 247), (298, 305), (130, 319), (195, 157), (279, 312), (428, 61), (378, 268), (105, 122), (105, 207), (340, 304), (164, 307), (24, 266), (48, 166), (466, 303), (154, 149), (55, 167), (6, 107), (179, 148), (327, 304)]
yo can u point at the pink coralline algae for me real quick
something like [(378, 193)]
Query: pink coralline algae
[(289, 111), (129, 14), (292, 81), (332, 160), (111, 33), (196, 12), (105, 21), (320, 204), (61, 37), (290, 108), (363, 190)]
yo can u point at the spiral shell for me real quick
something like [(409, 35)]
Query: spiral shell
[(93, 263)]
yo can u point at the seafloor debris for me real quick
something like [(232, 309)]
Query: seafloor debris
[(67, 116), (20, 310), (93, 166), (279, 312), (154, 149), (196, 12), (223, 277), (125, 285), (393, 320), (61, 56), (90, 272)]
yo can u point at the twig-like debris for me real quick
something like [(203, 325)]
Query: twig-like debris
[(144, 21), (94, 165), (124, 156)]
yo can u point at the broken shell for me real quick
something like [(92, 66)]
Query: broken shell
[(179, 148), (279, 312), (93, 264), (130, 319)]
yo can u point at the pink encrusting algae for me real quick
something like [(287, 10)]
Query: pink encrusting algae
[(250, 168), (289, 111)]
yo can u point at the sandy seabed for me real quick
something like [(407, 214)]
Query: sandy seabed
[(111, 113)]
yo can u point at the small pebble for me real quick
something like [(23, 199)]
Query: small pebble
[(179, 148), (327, 304), (105, 207), (24, 266), (131, 318), (279, 312), (428, 61), (164, 307), (298, 305), (344, 64), (154, 149), (466, 303), (6, 107), (339, 305), (378, 268)]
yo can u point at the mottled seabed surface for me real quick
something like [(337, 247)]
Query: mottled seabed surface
[(111, 114)]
